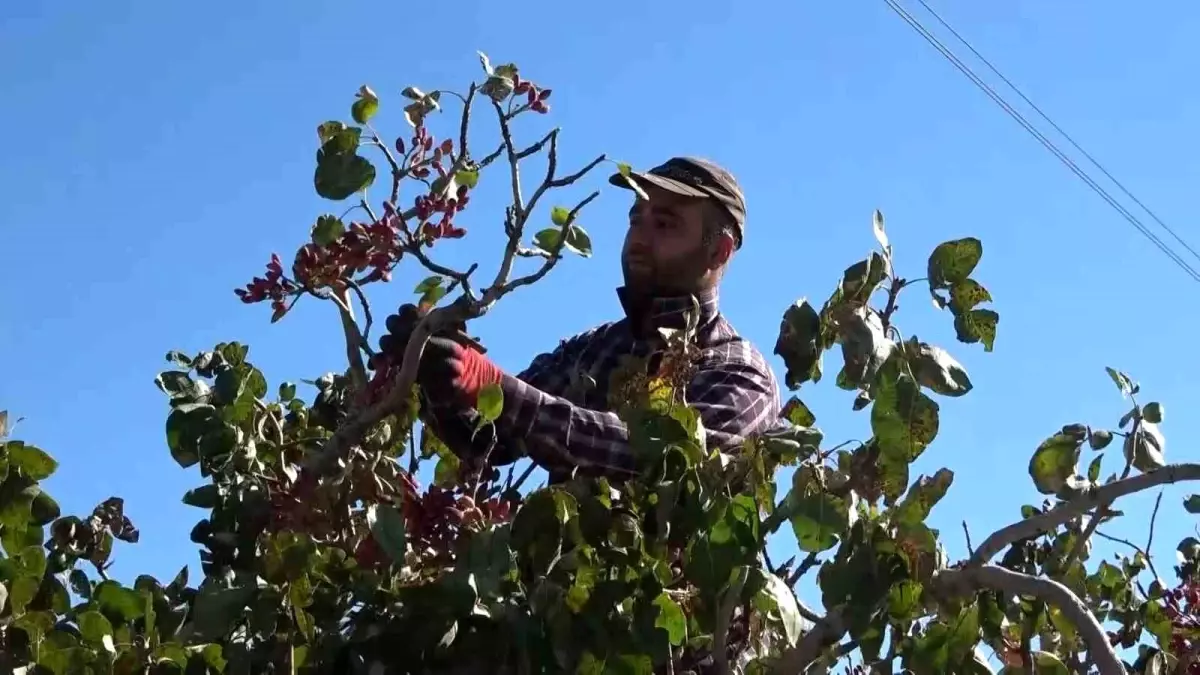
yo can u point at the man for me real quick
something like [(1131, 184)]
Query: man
[(681, 237)]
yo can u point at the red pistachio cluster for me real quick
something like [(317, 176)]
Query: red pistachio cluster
[(436, 517), (535, 96), (1182, 607), (434, 520), (374, 246), (274, 286), (421, 161)]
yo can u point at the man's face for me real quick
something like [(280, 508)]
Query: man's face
[(665, 251)]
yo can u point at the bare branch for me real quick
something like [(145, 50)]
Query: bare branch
[(1065, 511), (827, 631), (514, 163), (724, 616), (966, 581), (967, 534), (465, 124)]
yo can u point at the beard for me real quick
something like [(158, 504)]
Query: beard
[(649, 276)]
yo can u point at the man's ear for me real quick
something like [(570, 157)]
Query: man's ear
[(721, 252)]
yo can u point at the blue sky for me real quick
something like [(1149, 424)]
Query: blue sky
[(161, 151)]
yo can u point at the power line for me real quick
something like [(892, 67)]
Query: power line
[(1057, 128), (1047, 143)]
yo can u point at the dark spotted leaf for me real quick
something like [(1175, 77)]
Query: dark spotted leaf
[(977, 325), (953, 261), (1053, 462), (966, 294)]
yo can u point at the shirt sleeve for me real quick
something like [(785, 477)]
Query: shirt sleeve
[(732, 389)]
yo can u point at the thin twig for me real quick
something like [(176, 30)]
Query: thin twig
[(556, 254), (1145, 552), (967, 534), (465, 123), (520, 479), (803, 568), (1153, 518), (366, 307)]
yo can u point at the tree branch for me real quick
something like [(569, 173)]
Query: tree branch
[(724, 616), (827, 631), (1065, 511), (969, 580)]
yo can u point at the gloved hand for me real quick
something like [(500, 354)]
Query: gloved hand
[(453, 367)]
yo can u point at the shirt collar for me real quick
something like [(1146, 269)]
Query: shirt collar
[(668, 311)]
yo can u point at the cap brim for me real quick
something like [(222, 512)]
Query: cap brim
[(622, 181)]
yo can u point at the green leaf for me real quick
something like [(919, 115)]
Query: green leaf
[(953, 261), (578, 241), (1049, 664), (445, 473), (216, 608), (796, 412), (80, 584), (388, 529), (365, 107), (877, 228), (559, 215), (903, 419), (1152, 412), (340, 172), (429, 283), (977, 325), (328, 229), (865, 347), (922, 496), (1144, 447), (624, 169), (817, 521), (203, 497), (1093, 473), (936, 369), (1054, 462), (904, 600), (1099, 439), (468, 178), (777, 601), (798, 343), (94, 627), (44, 510), (176, 384), (1123, 382), (31, 461), (966, 294), (548, 240), (287, 391), (117, 601), (671, 619), (23, 591), (490, 404), (31, 561)]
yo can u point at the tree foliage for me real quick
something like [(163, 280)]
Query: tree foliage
[(320, 552)]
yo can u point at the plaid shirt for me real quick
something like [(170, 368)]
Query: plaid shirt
[(562, 426)]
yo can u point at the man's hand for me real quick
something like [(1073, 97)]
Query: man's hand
[(453, 367)]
